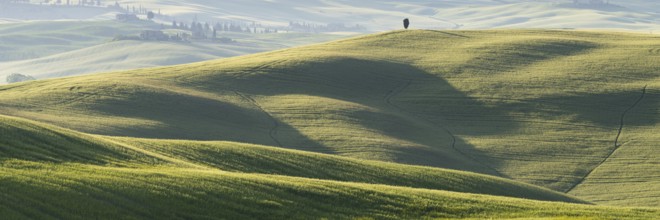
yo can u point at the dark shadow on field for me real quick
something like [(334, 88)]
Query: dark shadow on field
[(505, 57), (419, 113), (646, 112), (186, 117), (602, 110)]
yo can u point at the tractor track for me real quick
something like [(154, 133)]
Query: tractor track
[(276, 125), (617, 146), (623, 116), (398, 90), (654, 51)]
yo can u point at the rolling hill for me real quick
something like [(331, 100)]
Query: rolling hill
[(568, 110), (50, 172), (29, 40), (29, 141)]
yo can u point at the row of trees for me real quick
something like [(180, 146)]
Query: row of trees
[(200, 29), (135, 10), (204, 30)]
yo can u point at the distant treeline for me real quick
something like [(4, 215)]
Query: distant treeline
[(199, 29)]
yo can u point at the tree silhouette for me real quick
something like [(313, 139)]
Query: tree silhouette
[(150, 15), (406, 23)]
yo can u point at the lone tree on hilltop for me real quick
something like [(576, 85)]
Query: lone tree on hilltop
[(406, 23)]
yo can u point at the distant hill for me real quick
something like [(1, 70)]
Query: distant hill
[(49, 49), (640, 15), (54, 41), (30, 40), (447, 14)]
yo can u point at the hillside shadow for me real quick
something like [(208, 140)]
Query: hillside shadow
[(386, 85), (513, 56), (186, 117), (646, 112), (420, 113), (604, 110), (413, 105)]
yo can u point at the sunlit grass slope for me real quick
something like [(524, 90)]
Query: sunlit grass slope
[(31, 141), (245, 158), (543, 107), (24, 140), (62, 174), (92, 192)]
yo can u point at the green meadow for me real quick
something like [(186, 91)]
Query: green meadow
[(513, 124)]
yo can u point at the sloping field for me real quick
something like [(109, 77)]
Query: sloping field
[(558, 109), (38, 143), (84, 192), (629, 175), (49, 172), (108, 193)]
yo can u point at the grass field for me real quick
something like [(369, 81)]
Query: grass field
[(571, 111), (49, 172)]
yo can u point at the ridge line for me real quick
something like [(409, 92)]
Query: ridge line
[(153, 154)]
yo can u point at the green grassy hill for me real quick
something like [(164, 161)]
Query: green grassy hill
[(559, 109), (50, 172), (25, 140)]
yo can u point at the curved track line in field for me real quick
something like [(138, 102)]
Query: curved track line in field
[(654, 51), (617, 146), (398, 90), (276, 125), (623, 116)]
